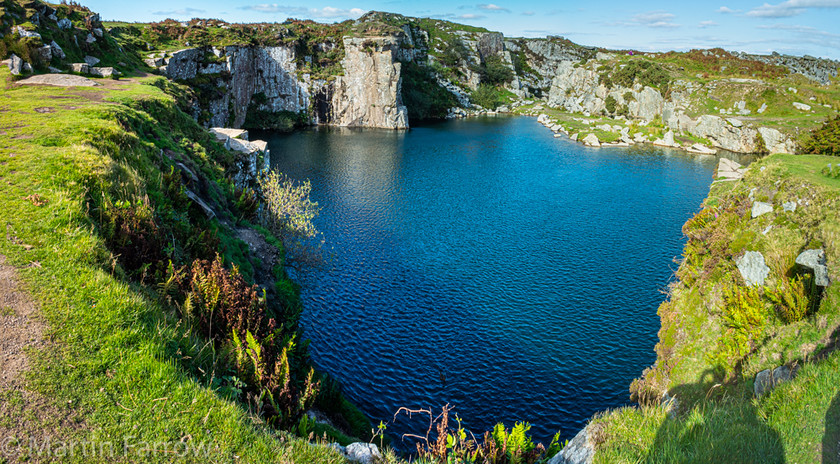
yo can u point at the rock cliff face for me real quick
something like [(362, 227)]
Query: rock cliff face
[(368, 94), (268, 79), (818, 69), (239, 74)]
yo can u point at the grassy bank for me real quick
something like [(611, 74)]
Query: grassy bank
[(120, 359), (717, 334)]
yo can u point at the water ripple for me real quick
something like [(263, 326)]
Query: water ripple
[(524, 269)]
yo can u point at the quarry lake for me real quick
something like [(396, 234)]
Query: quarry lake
[(485, 264)]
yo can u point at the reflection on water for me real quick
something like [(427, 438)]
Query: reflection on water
[(485, 264)]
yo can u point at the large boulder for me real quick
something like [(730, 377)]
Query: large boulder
[(57, 51), (815, 261), (104, 72), (730, 170), (591, 140), (15, 65), (753, 268), (64, 23)]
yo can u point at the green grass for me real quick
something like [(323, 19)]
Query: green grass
[(119, 358), (718, 420)]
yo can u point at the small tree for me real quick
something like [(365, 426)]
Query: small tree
[(287, 209)]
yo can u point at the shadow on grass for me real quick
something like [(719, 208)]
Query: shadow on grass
[(725, 427), (831, 439)]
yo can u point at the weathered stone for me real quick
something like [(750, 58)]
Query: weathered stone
[(15, 65), (90, 38), (65, 23), (767, 379), (24, 33), (81, 68), (753, 268), (735, 122), (57, 51), (591, 140), (363, 453), (579, 450), (776, 142), (92, 60), (59, 80), (789, 206), (104, 72), (45, 53), (701, 149), (760, 208), (97, 32), (815, 261), (763, 108), (802, 106), (730, 170)]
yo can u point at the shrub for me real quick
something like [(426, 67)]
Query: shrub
[(610, 103), (824, 140), (790, 298), (647, 73), (422, 95), (288, 211), (487, 96), (495, 72), (131, 233)]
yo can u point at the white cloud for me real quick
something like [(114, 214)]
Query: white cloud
[(492, 7), (326, 12), (180, 12), (727, 10), (705, 24), (655, 19), (790, 8)]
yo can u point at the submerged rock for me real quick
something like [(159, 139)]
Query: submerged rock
[(753, 268)]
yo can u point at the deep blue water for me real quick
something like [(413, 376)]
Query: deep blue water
[(524, 269)]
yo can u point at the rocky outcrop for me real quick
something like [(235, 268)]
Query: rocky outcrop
[(814, 260), (724, 135), (368, 94), (817, 69), (240, 74), (768, 379), (252, 156)]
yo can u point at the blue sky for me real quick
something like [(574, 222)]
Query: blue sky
[(791, 26)]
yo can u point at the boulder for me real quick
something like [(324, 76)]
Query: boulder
[(815, 261), (701, 149), (729, 170), (104, 72), (789, 206), (45, 53), (591, 140), (97, 32), (760, 208), (59, 80), (802, 106), (768, 379), (65, 23), (15, 65), (81, 68), (57, 51), (90, 38), (753, 268), (735, 122), (579, 450), (763, 108), (24, 33), (92, 60), (364, 453)]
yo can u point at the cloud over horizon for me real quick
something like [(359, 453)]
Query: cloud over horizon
[(180, 12), (326, 12), (790, 8)]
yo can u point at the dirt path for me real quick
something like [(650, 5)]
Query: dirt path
[(27, 419)]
